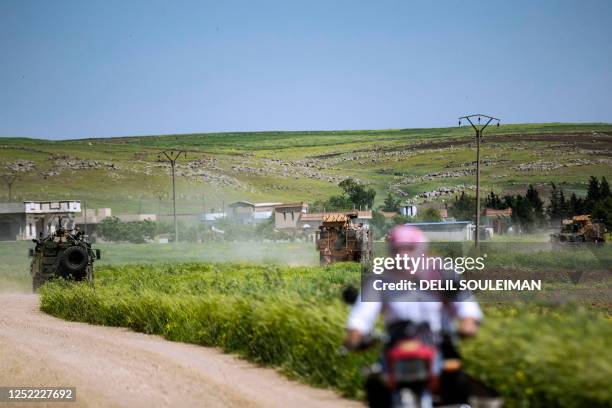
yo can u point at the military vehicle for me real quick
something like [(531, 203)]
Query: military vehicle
[(341, 239), (62, 254), (577, 230)]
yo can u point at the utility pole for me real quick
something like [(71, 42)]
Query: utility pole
[(478, 128), (10, 179), (160, 195), (172, 156)]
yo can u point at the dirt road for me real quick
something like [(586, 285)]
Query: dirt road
[(114, 367)]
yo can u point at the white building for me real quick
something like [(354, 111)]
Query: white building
[(247, 213), (26, 220), (409, 210)]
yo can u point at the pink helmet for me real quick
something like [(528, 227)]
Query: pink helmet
[(407, 236)]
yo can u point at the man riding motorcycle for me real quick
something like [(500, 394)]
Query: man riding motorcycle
[(432, 316)]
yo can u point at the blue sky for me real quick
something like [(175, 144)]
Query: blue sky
[(73, 69)]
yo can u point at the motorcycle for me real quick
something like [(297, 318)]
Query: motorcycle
[(415, 371)]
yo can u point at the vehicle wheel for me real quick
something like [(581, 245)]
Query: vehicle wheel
[(74, 261)]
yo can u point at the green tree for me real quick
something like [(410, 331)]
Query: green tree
[(463, 208), (430, 215), (493, 201), (603, 212), (576, 205), (358, 194), (558, 207), (593, 192), (355, 195), (536, 203), (563, 204), (112, 229), (338, 203), (523, 213), (391, 203), (604, 189)]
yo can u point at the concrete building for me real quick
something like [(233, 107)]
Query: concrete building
[(286, 216), (499, 221), (26, 220), (409, 210), (446, 231), (247, 213)]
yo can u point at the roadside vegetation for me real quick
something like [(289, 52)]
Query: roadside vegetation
[(291, 318)]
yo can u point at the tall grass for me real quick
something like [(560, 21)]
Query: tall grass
[(292, 319)]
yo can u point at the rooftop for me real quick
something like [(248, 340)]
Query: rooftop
[(250, 204), (12, 208), (364, 215), (41, 207), (292, 205), (506, 212)]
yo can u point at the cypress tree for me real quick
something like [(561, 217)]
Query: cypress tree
[(604, 189), (538, 205), (593, 193)]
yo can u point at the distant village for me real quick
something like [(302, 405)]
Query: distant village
[(27, 220)]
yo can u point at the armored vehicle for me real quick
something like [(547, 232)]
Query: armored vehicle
[(577, 230), (62, 254), (341, 239)]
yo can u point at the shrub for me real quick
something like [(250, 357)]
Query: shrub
[(112, 229)]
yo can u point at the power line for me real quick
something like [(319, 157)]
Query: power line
[(172, 156), (478, 128), (10, 179), (160, 195)]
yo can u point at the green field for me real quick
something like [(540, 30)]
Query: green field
[(529, 254), (15, 276), (125, 174), (248, 299), (291, 318)]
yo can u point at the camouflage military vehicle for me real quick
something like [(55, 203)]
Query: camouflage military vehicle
[(63, 254), (341, 239), (578, 230)]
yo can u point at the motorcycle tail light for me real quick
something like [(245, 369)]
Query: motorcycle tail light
[(411, 362)]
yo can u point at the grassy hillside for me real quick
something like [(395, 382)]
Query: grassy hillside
[(125, 173)]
